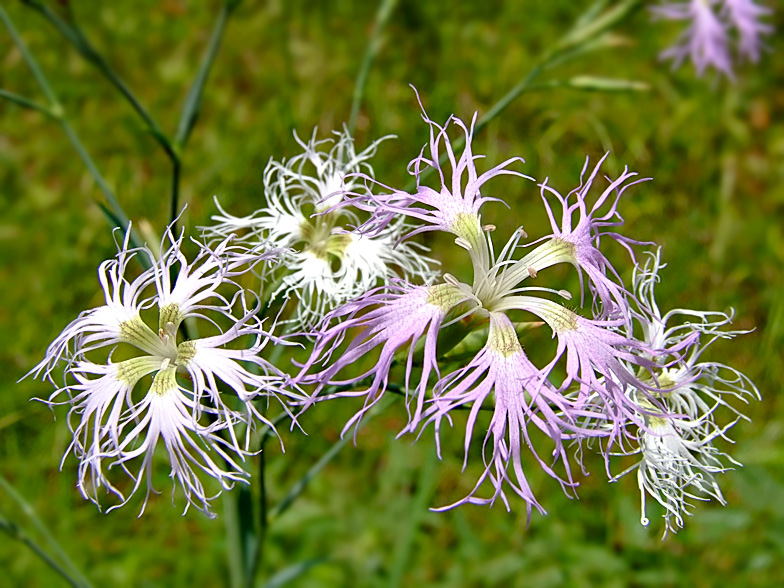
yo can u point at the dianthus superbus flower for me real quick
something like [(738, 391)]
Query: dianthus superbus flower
[(327, 262), (159, 390), (522, 395), (678, 460)]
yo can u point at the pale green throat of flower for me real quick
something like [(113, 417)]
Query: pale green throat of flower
[(164, 354), (320, 240)]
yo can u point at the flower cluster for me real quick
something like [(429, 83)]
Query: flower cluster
[(602, 384), (326, 261), (620, 376), (714, 26), (131, 385)]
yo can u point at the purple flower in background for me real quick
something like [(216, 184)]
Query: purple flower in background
[(713, 26), (745, 16), (705, 41)]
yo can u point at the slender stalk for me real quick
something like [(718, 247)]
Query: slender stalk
[(580, 38), (192, 106), (190, 110), (244, 539), (385, 9), (404, 546), (71, 31), (56, 111), (15, 532), (29, 511), (31, 63), (117, 209), (255, 562), (24, 102), (300, 486)]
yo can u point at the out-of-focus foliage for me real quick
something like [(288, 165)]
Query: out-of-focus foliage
[(715, 151)]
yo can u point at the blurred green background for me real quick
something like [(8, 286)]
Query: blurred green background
[(714, 149)]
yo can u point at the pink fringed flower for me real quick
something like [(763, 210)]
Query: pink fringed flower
[(522, 395), (579, 244), (461, 345), (392, 318), (454, 207)]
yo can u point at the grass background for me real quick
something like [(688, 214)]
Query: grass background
[(716, 205)]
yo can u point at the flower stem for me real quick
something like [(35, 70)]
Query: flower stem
[(192, 106), (15, 532), (73, 576), (385, 9), (24, 102), (71, 31), (581, 38), (56, 112)]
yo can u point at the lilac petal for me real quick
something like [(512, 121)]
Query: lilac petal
[(390, 318)]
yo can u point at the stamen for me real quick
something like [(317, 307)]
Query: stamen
[(565, 294), (463, 243), (488, 228), (532, 272), (451, 280)]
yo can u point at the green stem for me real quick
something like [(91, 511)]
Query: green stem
[(245, 542), (24, 102), (192, 106), (258, 556), (56, 111), (16, 533), (14, 530), (72, 32), (174, 199), (385, 9), (581, 36), (190, 110), (91, 167), (300, 486), (31, 63)]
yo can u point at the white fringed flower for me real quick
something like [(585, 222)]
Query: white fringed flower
[(328, 262), (678, 458), (193, 395)]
